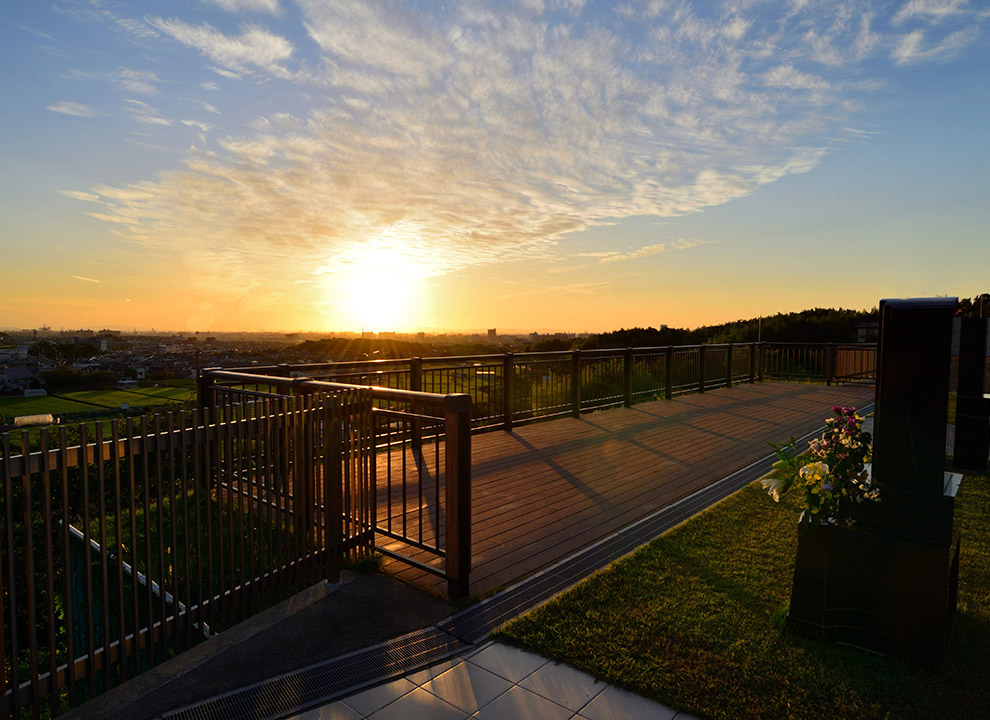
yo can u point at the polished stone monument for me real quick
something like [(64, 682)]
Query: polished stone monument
[(887, 583)]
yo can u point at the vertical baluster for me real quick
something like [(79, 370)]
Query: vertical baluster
[(15, 641), (69, 618), (49, 573), (87, 563), (173, 497), (186, 537), (122, 650)]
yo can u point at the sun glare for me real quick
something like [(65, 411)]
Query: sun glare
[(377, 287)]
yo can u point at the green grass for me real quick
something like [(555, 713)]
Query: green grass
[(694, 620), (87, 400)]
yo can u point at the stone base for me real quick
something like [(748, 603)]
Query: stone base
[(882, 592)]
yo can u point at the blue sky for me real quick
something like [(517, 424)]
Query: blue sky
[(311, 164)]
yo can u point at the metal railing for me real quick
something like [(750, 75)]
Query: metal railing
[(421, 474), (140, 538), (512, 388)]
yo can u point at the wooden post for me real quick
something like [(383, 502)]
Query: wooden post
[(457, 456), (728, 366), (752, 363), (701, 368), (668, 372), (628, 367), (508, 373), (829, 363), (576, 383), (759, 361)]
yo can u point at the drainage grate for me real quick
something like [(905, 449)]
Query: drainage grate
[(327, 681)]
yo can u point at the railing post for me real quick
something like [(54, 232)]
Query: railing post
[(205, 397), (752, 363), (576, 383), (829, 363), (728, 366), (508, 373), (759, 361), (304, 471), (628, 368), (457, 457), (416, 384), (668, 373), (701, 368)]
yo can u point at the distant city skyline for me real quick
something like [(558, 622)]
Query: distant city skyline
[(572, 165)]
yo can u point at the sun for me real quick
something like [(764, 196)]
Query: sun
[(378, 286)]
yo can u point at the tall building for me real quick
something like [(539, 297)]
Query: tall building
[(492, 335)]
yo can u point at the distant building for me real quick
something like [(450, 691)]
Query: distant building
[(17, 379), (492, 335)]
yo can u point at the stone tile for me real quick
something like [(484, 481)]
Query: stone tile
[(615, 704), (521, 704), (419, 705), (511, 663), (564, 685), (368, 701), (421, 677), (335, 711), (468, 687)]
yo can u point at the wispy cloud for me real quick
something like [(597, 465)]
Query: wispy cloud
[(262, 6), (912, 48), (655, 249), (478, 131), (79, 195), (145, 113), (85, 279), (933, 10), (137, 81), (255, 46), (66, 107)]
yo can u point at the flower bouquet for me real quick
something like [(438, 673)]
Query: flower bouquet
[(835, 479)]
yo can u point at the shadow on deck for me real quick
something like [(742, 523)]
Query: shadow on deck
[(547, 490)]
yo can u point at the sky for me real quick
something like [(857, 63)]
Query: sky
[(573, 165)]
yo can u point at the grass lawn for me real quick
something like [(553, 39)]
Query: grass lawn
[(694, 620), (86, 400)]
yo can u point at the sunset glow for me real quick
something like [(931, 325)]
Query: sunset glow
[(402, 165)]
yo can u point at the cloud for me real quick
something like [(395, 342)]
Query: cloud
[(66, 107), (208, 86), (254, 46), (911, 48), (79, 195), (931, 10), (262, 6), (138, 81), (458, 134), (145, 113), (655, 249), (85, 279)]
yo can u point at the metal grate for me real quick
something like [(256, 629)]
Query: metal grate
[(326, 681)]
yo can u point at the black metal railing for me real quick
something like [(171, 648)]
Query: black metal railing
[(127, 542), (421, 472), (512, 388)]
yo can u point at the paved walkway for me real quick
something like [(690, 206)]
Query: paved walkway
[(495, 682)]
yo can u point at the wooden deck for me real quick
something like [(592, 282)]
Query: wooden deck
[(547, 490)]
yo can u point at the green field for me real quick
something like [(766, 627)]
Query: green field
[(89, 400)]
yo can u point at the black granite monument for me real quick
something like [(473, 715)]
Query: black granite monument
[(887, 583)]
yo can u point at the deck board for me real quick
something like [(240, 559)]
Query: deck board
[(549, 489)]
